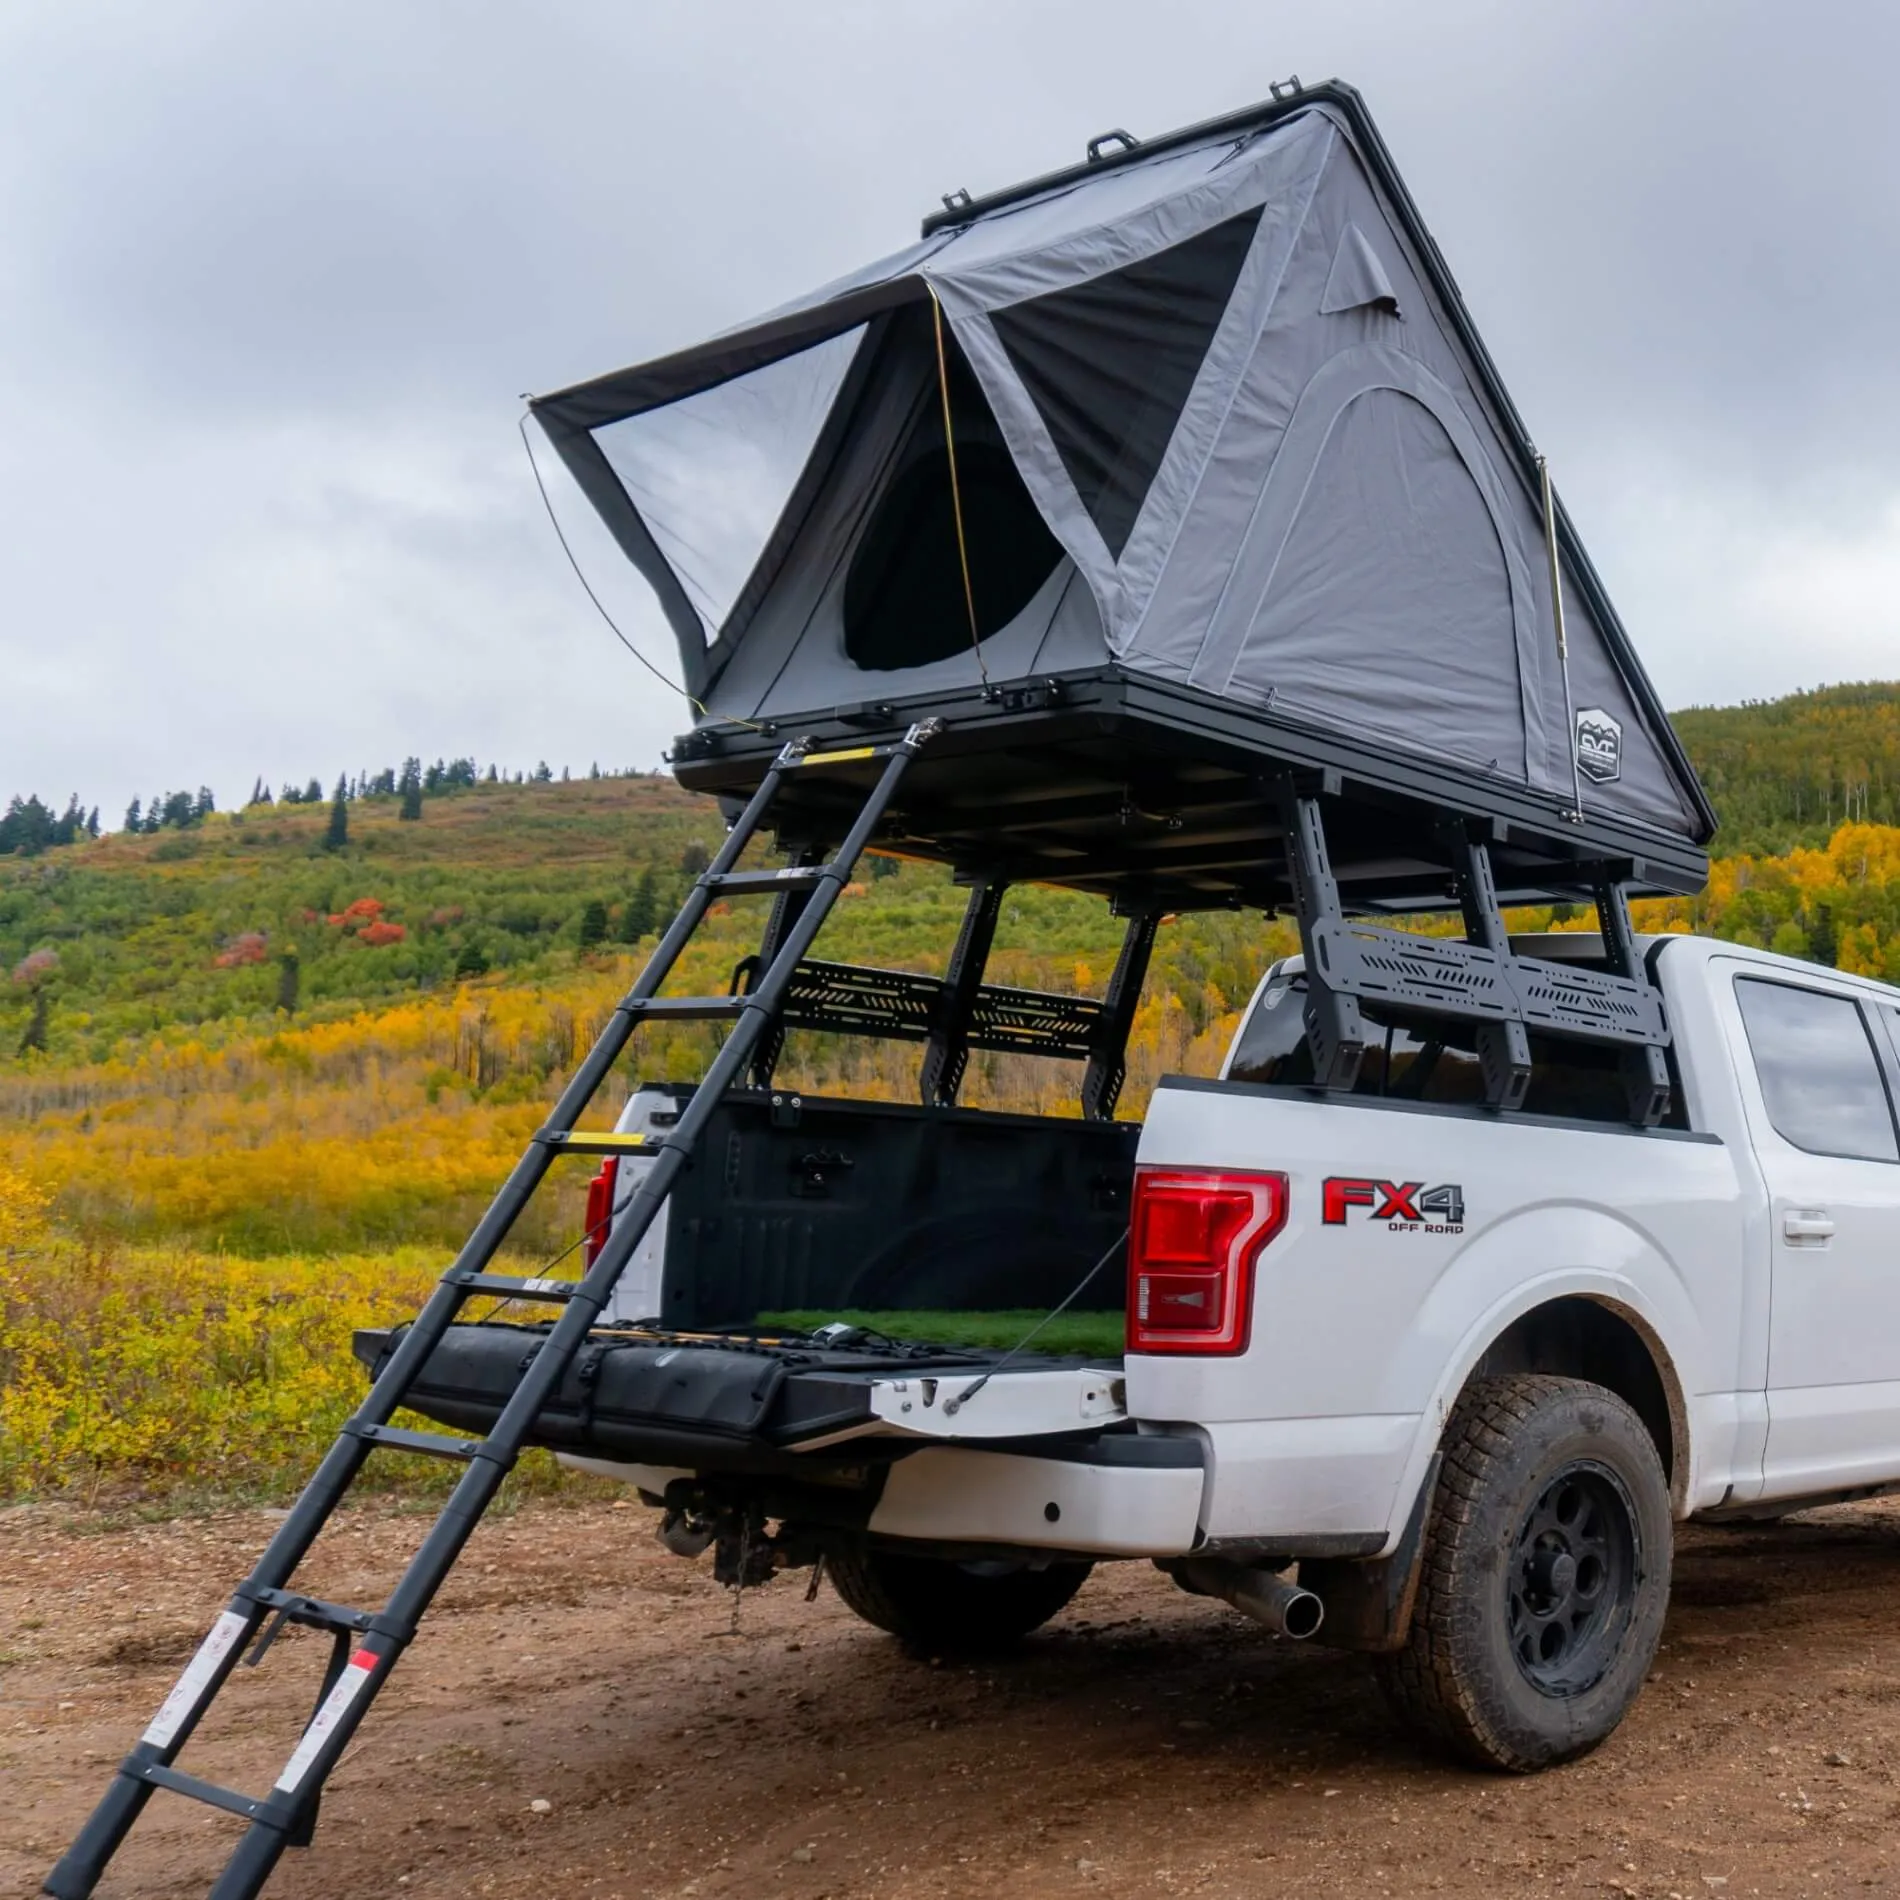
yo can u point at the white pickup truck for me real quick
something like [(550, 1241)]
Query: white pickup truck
[(1461, 1367)]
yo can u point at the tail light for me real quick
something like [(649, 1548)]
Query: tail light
[(600, 1208), (1193, 1240)]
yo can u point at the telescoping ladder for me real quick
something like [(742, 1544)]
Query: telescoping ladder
[(366, 1643)]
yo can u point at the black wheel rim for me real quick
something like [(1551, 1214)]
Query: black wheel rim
[(1573, 1579)]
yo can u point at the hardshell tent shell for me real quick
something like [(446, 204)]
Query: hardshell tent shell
[(1217, 420)]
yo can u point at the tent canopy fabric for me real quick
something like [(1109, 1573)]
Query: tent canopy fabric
[(1216, 416)]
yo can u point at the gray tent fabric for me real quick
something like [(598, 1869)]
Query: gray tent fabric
[(1357, 277), (1219, 418)]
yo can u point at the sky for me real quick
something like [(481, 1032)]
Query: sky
[(273, 281)]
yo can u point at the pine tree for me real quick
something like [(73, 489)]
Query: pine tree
[(471, 960), (203, 805), (133, 822), (695, 858), (410, 786), (289, 981), (92, 823), (338, 833), (313, 792), (642, 910), (593, 923)]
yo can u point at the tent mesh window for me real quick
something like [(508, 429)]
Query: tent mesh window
[(711, 473), (1110, 363), (904, 600)]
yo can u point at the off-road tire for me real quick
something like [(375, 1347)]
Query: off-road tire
[(941, 1607), (1517, 1451)]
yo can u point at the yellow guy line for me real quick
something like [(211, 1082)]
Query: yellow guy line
[(956, 492)]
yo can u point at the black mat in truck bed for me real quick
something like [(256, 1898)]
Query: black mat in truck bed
[(669, 1398)]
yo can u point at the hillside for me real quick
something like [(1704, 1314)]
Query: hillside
[(1785, 772), (230, 1031), (446, 973), (195, 923), (245, 919)]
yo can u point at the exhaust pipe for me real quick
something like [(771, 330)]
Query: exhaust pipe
[(1283, 1607)]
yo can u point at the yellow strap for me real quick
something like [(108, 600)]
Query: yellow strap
[(956, 493), (838, 758)]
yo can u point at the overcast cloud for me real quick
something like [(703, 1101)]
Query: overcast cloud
[(272, 279)]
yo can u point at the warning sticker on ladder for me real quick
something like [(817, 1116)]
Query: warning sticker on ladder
[(227, 1631), (354, 1679)]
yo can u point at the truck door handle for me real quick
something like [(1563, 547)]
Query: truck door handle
[(1809, 1228)]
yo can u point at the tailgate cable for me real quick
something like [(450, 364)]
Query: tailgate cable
[(953, 1406)]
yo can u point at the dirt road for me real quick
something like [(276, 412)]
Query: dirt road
[(1147, 1744)]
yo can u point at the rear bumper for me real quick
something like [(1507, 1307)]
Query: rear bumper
[(1120, 1495)]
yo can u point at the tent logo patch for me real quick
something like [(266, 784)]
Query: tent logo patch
[(1599, 745)]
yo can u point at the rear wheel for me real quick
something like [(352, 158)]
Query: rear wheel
[(936, 1604), (1546, 1574)]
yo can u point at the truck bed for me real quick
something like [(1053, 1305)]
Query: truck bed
[(815, 1207)]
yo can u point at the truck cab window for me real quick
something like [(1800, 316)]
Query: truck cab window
[(1272, 1044), (1820, 1078), (1398, 1063), (1576, 1081)]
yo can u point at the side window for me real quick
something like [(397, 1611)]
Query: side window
[(1819, 1075), (1272, 1046)]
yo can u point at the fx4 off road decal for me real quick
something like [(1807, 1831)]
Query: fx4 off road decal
[(1401, 1207)]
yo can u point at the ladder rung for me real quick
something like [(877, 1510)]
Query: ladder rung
[(602, 1141), (313, 1610), (434, 1444), (798, 877), (691, 1009), (502, 1287), (206, 1791)]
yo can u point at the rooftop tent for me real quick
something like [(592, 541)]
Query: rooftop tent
[(1214, 421)]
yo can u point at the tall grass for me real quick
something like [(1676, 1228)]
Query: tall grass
[(156, 1370)]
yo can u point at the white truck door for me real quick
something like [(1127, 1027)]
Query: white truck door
[(1822, 1122)]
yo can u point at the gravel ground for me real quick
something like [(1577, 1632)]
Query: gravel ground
[(585, 1716)]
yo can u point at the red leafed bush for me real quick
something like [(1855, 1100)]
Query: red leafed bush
[(250, 946), (366, 910), (35, 967), (379, 933)]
